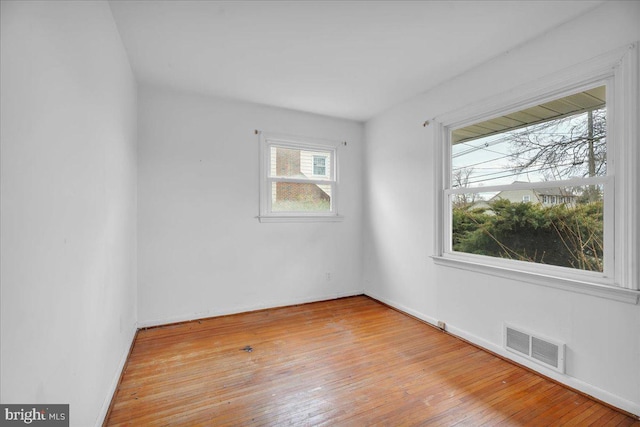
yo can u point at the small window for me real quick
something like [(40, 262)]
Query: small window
[(526, 198), (320, 165), (298, 179)]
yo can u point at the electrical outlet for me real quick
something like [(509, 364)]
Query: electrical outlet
[(328, 277), (442, 325)]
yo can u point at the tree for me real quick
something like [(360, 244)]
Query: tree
[(562, 148), (460, 179)]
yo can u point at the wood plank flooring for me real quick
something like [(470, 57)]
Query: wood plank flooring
[(351, 361)]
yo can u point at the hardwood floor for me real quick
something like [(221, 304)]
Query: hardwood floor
[(351, 361)]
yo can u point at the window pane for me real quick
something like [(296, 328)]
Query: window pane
[(558, 226), (296, 163), (300, 197), (557, 140), (319, 165)]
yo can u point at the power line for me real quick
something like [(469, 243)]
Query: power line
[(504, 156), (508, 174), (508, 136)]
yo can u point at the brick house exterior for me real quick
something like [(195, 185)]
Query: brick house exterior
[(290, 163)]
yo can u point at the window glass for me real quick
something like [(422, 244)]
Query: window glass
[(300, 197), (298, 180), (319, 165), (525, 146), (298, 163), (534, 183)]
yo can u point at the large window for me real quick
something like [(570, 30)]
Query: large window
[(532, 185), (540, 184), (298, 179)]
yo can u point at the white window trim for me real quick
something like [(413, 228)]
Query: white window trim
[(620, 70), (267, 139)]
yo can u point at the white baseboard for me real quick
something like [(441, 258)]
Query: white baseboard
[(116, 379), (403, 308), (243, 309), (598, 393)]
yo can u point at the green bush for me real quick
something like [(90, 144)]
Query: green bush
[(558, 235)]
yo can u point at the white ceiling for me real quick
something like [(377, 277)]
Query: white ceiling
[(350, 59)]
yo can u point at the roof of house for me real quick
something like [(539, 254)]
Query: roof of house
[(584, 101)]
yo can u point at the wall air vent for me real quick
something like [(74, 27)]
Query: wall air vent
[(518, 341), (549, 353)]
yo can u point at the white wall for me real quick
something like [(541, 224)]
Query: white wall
[(68, 200), (603, 336), (201, 250), (69, 232)]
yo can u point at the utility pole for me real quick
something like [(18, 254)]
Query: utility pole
[(592, 157), (592, 191)]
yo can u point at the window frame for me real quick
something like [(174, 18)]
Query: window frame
[(605, 277), (619, 70), (266, 213)]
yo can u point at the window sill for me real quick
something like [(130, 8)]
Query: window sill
[(300, 218), (595, 289)]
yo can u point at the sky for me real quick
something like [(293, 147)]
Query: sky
[(491, 159)]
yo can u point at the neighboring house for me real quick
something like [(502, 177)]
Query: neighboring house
[(555, 196), (287, 162), (481, 204), (541, 196)]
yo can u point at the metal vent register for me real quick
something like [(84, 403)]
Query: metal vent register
[(544, 351)]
